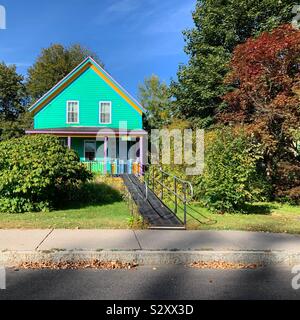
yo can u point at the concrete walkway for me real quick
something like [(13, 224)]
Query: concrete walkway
[(49, 239), (147, 247)]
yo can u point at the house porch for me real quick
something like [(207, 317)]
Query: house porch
[(105, 151)]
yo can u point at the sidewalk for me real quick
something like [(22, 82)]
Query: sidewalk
[(148, 246)]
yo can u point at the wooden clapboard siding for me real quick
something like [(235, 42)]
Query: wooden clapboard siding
[(89, 89)]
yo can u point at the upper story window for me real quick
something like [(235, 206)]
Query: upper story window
[(105, 112), (72, 111)]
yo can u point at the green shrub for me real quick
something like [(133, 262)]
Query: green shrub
[(230, 177), (37, 173)]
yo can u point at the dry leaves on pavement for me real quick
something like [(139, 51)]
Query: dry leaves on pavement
[(222, 265), (94, 264)]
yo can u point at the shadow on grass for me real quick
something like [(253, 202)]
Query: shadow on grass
[(248, 208), (91, 194), (261, 208)]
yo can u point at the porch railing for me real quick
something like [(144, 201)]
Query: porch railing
[(114, 167)]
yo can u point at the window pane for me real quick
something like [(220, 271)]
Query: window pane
[(90, 146), (75, 117), (90, 150), (106, 117), (105, 107)]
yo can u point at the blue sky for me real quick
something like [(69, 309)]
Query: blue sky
[(134, 38)]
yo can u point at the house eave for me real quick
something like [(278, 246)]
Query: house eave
[(77, 132)]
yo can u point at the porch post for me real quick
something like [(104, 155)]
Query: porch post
[(141, 154), (69, 142), (105, 153)]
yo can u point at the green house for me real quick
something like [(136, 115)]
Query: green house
[(94, 115)]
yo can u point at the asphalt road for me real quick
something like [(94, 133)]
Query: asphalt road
[(164, 282)]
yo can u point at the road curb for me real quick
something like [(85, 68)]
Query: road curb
[(143, 257)]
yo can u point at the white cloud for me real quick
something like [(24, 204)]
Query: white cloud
[(154, 26), (148, 16), (119, 11), (177, 20), (124, 6)]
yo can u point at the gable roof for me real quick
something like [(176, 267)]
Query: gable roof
[(89, 62)]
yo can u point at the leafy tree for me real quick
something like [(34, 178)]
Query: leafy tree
[(13, 98), (16, 128), (154, 95), (54, 64), (36, 172), (12, 93), (265, 77), (219, 27)]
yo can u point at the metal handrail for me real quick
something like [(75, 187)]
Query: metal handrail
[(146, 190), (186, 185), (185, 199), (183, 182)]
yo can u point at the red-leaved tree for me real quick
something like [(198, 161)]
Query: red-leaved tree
[(265, 76)]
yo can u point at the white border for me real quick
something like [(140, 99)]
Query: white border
[(78, 121)]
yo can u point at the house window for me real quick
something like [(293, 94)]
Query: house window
[(72, 111), (105, 112), (89, 150)]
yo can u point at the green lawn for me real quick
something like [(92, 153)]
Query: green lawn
[(114, 216), (271, 217), (263, 217)]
